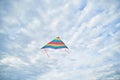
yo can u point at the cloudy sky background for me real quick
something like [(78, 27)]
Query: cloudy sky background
[(90, 28)]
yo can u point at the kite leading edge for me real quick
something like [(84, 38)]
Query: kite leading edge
[(57, 43)]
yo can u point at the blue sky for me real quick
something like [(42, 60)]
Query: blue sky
[(90, 28)]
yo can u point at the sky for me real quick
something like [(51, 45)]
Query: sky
[(89, 28)]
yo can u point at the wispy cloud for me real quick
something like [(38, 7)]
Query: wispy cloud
[(90, 29)]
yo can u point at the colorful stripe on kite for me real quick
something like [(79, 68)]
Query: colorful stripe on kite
[(57, 43)]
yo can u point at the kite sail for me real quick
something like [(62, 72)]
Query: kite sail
[(57, 43)]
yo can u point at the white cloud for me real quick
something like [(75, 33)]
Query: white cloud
[(90, 29), (13, 62)]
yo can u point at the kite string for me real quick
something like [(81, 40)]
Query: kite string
[(46, 53), (67, 51)]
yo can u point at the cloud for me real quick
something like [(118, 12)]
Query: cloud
[(13, 62), (90, 30)]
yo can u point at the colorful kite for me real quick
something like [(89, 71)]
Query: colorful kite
[(57, 43)]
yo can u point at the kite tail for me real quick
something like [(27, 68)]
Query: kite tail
[(67, 51), (46, 53)]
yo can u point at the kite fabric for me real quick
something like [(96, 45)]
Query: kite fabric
[(57, 43)]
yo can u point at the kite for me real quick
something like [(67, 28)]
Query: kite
[(57, 43)]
